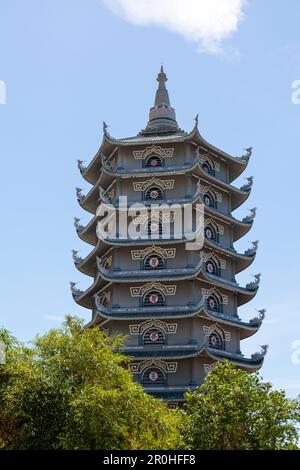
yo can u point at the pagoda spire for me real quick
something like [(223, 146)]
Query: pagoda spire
[(162, 95), (162, 117)]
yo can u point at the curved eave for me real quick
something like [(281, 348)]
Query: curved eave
[(91, 201), (236, 165), (243, 294), (238, 196), (240, 228), (88, 265), (242, 261), (246, 329), (247, 364), (155, 138), (91, 173), (86, 299), (187, 352)]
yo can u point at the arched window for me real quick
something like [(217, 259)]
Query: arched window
[(153, 193), (154, 336), (213, 303), (154, 227), (154, 261), (209, 200), (210, 233), (208, 168), (153, 376), (153, 299), (212, 267), (215, 340), (154, 161)]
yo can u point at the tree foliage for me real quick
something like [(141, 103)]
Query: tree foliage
[(235, 410), (70, 390)]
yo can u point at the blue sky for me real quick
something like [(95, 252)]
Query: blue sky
[(69, 65)]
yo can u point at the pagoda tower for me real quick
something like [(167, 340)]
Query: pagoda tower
[(177, 307)]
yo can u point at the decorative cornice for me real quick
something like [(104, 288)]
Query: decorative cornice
[(156, 149), (138, 329), (208, 189), (140, 291), (164, 252), (214, 291), (219, 228), (211, 255), (206, 157), (163, 184), (209, 367), (167, 367), (208, 330)]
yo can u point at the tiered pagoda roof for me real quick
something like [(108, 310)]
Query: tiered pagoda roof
[(189, 161)]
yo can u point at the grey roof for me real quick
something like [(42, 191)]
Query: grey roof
[(178, 136)]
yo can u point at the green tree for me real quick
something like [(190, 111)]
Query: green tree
[(70, 390), (236, 410)]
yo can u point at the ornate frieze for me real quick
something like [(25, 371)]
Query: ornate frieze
[(166, 253), (140, 291), (207, 256), (154, 214), (168, 367), (104, 297), (206, 157), (207, 330), (219, 228), (168, 328), (213, 291), (208, 189), (106, 262), (209, 367), (156, 149), (143, 185)]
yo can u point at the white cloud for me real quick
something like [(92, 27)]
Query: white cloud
[(206, 22)]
